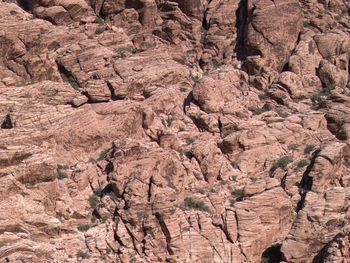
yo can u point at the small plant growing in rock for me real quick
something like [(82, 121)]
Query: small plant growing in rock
[(236, 194), (61, 173), (99, 20), (82, 254), (169, 120), (190, 141), (99, 30), (103, 155), (308, 149), (234, 165), (84, 227), (263, 96), (183, 89), (281, 163), (197, 176), (260, 111), (213, 190), (282, 113), (191, 203), (93, 201), (195, 79), (201, 191), (301, 164), (216, 64), (124, 51)]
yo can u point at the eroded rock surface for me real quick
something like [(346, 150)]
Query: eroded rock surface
[(174, 131)]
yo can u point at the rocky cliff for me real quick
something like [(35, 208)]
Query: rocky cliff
[(174, 131)]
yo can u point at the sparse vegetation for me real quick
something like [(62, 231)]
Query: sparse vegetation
[(282, 113), (236, 194), (318, 98), (191, 203), (302, 163), (308, 149), (124, 51), (263, 96), (201, 191), (61, 173), (82, 254), (183, 89), (197, 176), (99, 20), (169, 120), (213, 190), (234, 165), (190, 141), (260, 111), (103, 155), (99, 30), (281, 163), (216, 64), (195, 78), (84, 227), (93, 201)]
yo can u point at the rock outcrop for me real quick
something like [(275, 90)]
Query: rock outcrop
[(174, 131)]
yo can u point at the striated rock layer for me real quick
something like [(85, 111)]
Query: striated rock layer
[(174, 131)]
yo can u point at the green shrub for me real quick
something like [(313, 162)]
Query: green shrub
[(61, 173), (191, 203), (197, 176), (282, 113), (103, 155), (183, 89), (190, 141), (234, 165), (308, 149), (99, 30), (195, 79), (99, 20), (281, 163), (318, 98), (124, 51), (82, 254), (237, 193), (302, 163), (260, 111), (94, 200), (201, 191), (216, 64), (169, 120), (84, 227), (213, 190), (263, 96)]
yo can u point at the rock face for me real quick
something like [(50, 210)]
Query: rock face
[(272, 29), (174, 131)]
